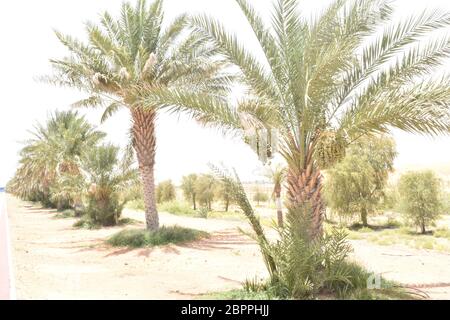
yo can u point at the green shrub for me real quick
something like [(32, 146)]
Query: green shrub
[(442, 233), (137, 205), (137, 238), (420, 198), (68, 213), (165, 191), (203, 212), (260, 196), (85, 222), (176, 207)]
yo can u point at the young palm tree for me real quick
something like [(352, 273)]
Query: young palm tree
[(129, 58), (277, 174), (109, 178), (326, 81)]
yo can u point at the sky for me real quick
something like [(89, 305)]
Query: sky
[(28, 42)]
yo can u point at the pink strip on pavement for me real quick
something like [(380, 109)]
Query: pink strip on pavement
[(6, 277)]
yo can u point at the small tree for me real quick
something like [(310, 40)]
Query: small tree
[(165, 191), (204, 187), (260, 196), (356, 184), (420, 198), (188, 187), (223, 193)]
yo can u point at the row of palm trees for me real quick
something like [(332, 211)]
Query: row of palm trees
[(322, 83), (65, 166)]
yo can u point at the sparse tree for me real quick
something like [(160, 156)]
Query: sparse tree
[(165, 191), (356, 184), (260, 196), (188, 187), (205, 186), (420, 198)]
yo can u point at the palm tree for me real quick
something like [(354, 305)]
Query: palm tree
[(109, 178), (50, 161), (277, 174), (130, 58), (326, 81)]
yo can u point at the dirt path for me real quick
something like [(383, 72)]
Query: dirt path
[(54, 261)]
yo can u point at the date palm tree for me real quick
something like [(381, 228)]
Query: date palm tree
[(325, 81), (50, 161), (127, 58)]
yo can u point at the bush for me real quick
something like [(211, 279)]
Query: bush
[(165, 191), (68, 213), (176, 207), (137, 238), (260, 196), (420, 198)]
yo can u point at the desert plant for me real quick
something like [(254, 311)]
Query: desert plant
[(324, 82), (137, 238), (259, 196), (356, 184), (165, 191), (188, 187), (420, 198), (205, 186), (223, 193), (109, 178), (299, 267), (131, 62), (176, 207)]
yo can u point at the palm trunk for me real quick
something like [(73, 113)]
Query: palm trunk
[(305, 189), (279, 210), (144, 142)]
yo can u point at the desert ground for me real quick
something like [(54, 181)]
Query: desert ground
[(52, 260)]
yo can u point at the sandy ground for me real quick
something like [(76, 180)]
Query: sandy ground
[(54, 261)]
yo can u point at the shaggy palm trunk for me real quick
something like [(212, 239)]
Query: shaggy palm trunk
[(305, 191), (144, 142), (277, 192)]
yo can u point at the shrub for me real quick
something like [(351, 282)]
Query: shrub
[(260, 196), (165, 191), (420, 198), (176, 207), (137, 238)]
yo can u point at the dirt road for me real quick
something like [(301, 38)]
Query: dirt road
[(54, 261)]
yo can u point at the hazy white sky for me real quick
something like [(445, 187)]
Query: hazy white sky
[(28, 41)]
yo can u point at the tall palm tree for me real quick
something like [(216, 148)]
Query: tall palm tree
[(128, 58), (325, 81)]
